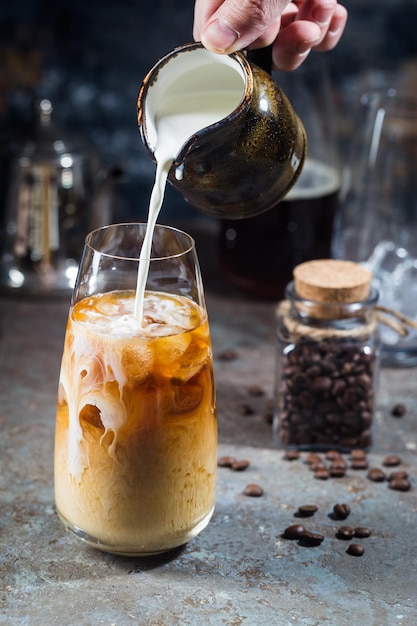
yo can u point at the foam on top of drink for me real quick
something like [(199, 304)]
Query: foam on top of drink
[(112, 314)]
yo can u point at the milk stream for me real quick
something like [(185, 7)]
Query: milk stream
[(177, 119)]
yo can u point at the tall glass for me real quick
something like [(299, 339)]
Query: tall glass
[(136, 432)]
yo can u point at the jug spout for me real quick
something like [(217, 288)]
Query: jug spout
[(240, 163)]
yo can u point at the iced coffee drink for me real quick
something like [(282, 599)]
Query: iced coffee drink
[(136, 435)]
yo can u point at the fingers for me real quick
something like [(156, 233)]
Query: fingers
[(294, 43), (335, 29), (307, 25), (229, 25), (294, 27)]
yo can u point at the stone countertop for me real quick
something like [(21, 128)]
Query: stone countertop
[(239, 570)]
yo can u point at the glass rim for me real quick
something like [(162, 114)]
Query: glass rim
[(88, 241)]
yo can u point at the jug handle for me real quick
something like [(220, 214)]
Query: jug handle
[(262, 57)]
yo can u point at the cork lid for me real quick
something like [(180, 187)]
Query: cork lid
[(332, 281)]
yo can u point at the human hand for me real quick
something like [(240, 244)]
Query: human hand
[(293, 28)]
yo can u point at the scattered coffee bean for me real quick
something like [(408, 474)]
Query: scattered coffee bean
[(291, 455), (339, 463), (355, 549), (341, 511), (391, 461), (338, 468), (337, 472), (357, 454), (322, 473), (256, 391), (228, 355), (345, 532), (240, 466), (398, 410), (359, 464), (399, 484), (306, 510), (226, 461), (246, 409), (311, 539), (398, 475), (317, 465), (313, 458), (376, 475), (361, 532), (254, 491), (294, 531), (332, 455)]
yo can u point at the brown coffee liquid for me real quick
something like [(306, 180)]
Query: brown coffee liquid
[(258, 254)]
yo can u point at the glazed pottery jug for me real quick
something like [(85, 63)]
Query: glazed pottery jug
[(243, 164)]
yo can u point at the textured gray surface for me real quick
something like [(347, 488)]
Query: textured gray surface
[(239, 570)]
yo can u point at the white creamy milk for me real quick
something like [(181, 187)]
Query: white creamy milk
[(177, 118)]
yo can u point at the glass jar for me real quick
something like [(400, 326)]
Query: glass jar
[(327, 358)]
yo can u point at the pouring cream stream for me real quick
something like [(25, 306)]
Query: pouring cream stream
[(177, 118)]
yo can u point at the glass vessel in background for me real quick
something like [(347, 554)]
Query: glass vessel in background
[(258, 254), (377, 225), (136, 432)]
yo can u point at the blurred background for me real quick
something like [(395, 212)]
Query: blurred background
[(89, 58)]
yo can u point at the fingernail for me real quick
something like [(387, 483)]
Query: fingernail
[(218, 35), (305, 46), (322, 15)]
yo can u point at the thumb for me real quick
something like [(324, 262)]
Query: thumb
[(236, 24)]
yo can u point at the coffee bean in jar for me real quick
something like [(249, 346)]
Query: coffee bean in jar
[(328, 355)]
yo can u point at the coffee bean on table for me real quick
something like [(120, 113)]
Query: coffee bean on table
[(345, 532), (359, 464), (391, 461), (322, 473), (317, 465), (341, 511), (294, 531), (313, 458), (331, 455), (361, 532), (339, 463), (357, 454), (229, 354), (291, 455), (246, 409), (338, 468), (398, 410), (256, 391), (254, 491), (399, 484), (226, 461), (355, 549), (398, 474), (240, 465), (311, 539), (376, 475), (306, 510), (337, 472)]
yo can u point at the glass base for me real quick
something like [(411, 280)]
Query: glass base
[(135, 551), (397, 356)]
